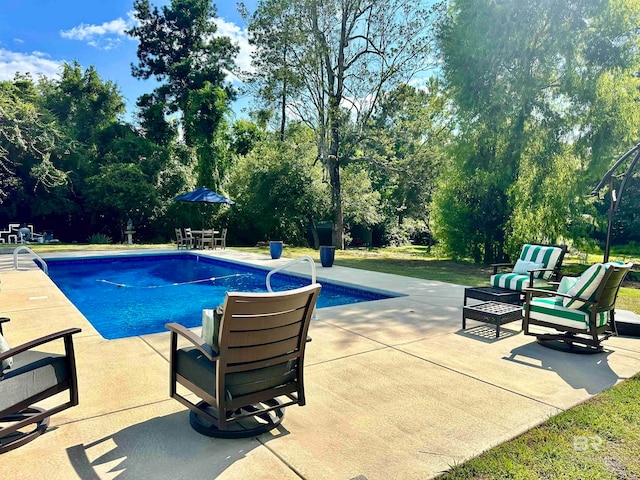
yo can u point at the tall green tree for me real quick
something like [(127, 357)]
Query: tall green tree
[(345, 54), (278, 190), (406, 146), (32, 144), (274, 33), (179, 46), (525, 78)]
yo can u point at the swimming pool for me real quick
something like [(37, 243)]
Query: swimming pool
[(133, 295)]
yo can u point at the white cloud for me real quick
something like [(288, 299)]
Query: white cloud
[(18, 40), (106, 36), (239, 37), (34, 63), (89, 32)]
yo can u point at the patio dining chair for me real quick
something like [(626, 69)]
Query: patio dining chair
[(206, 239), (182, 241), (251, 366), (221, 241), (581, 311), (28, 377)]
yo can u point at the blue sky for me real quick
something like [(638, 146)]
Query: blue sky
[(38, 36)]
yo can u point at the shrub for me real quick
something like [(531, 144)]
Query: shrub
[(100, 239)]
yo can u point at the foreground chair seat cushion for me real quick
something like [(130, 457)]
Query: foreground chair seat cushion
[(514, 281), (551, 310), (196, 368), (22, 383)]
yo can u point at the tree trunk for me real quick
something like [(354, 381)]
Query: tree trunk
[(314, 233), (283, 112), (333, 165), (336, 202)]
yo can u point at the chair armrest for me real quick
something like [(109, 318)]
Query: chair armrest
[(500, 265), (39, 341), (206, 349), (3, 320), (537, 270), (538, 292)]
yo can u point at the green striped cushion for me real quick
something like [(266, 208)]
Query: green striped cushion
[(547, 256), (513, 281), (551, 310), (586, 286)]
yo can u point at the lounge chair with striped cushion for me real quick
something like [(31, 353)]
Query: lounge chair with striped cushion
[(536, 267), (582, 309)]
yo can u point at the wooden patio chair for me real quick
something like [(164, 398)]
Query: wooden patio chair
[(206, 239), (221, 241), (28, 377), (252, 366), (182, 241), (582, 310)]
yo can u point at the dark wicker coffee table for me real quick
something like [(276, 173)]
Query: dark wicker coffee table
[(494, 294), (495, 313)]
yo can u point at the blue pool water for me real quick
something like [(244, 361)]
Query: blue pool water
[(137, 295)]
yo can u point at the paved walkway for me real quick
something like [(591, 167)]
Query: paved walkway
[(395, 390)]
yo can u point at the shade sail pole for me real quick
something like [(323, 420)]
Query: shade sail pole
[(609, 178)]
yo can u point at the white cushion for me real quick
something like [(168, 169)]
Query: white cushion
[(585, 286), (522, 267), (211, 325), (567, 284), (546, 255), (4, 346)]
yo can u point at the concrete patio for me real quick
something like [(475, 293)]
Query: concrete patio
[(395, 389)]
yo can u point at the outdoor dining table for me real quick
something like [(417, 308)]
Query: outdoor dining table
[(198, 234)]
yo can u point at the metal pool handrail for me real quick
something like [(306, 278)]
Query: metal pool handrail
[(303, 258), (23, 248)]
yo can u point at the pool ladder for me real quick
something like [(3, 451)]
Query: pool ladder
[(23, 248), (303, 258)]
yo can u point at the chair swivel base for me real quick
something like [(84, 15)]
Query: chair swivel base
[(16, 439), (568, 344), (247, 427)]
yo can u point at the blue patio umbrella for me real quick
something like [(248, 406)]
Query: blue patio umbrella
[(203, 195)]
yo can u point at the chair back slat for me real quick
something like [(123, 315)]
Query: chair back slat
[(254, 353), (250, 338), (250, 306), (246, 323)]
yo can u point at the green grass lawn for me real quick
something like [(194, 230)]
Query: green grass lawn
[(599, 439)]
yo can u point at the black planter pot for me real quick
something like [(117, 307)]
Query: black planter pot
[(327, 255), (275, 249)]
